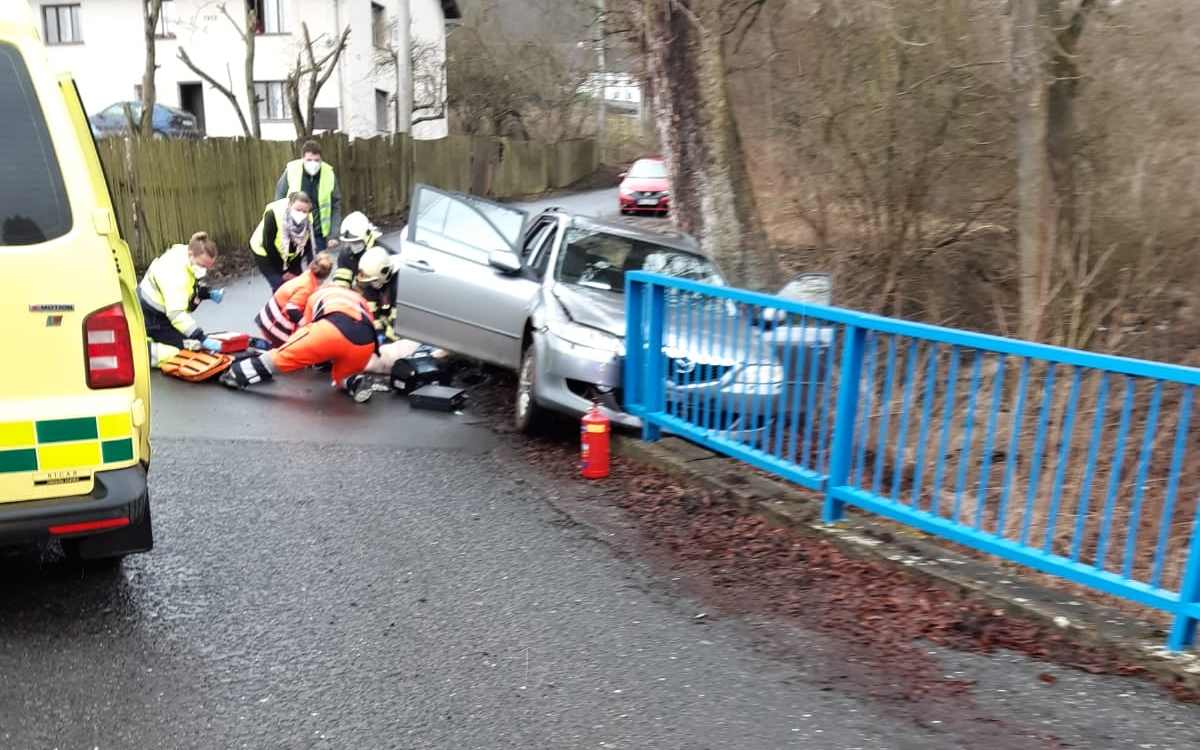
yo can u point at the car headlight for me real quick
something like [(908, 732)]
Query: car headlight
[(665, 193), (561, 325), (625, 191)]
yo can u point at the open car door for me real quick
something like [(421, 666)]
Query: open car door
[(461, 285)]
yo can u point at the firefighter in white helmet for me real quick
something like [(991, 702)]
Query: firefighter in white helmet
[(356, 236), (363, 252), (376, 277)]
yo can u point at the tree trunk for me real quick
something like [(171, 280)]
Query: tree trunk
[(1036, 201), (405, 78), (150, 12), (251, 97), (712, 197)]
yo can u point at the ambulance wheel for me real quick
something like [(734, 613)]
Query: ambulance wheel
[(530, 417)]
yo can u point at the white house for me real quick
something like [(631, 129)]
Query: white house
[(101, 43)]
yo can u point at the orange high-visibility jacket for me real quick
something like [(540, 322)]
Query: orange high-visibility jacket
[(336, 299), (279, 317)]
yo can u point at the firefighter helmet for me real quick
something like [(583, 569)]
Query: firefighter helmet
[(375, 268), (357, 228)]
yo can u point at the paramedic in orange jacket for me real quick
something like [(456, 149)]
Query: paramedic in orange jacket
[(280, 317), (337, 327)]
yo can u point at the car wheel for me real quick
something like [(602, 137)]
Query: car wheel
[(529, 416)]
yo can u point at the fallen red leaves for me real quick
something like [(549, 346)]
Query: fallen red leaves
[(876, 609)]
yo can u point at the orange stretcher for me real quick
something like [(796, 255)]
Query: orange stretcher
[(196, 367)]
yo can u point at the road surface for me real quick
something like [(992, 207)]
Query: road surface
[(366, 576)]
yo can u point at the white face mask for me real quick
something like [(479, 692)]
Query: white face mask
[(298, 215), (312, 166), (199, 271)]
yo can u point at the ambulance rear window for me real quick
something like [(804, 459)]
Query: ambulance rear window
[(33, 201)]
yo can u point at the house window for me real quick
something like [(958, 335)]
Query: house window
[(272, 104), (379, 29), (381, 110), (166, 20), (269, 16), (62, 24)]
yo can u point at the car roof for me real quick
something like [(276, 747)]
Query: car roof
[(137, 102), (673, 239)]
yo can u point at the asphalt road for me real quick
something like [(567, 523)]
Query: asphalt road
[(367, 576)]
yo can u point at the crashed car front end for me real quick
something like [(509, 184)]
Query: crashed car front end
[(579, 365)]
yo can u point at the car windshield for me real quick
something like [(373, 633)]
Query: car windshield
[(597, 260), (648, 170)]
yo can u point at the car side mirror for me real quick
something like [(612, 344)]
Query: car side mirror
[(623, 175), (504, 262)]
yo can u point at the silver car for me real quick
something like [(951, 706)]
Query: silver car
[(544, 297)]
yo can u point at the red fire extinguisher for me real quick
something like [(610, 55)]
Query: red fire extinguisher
[(594, 431)]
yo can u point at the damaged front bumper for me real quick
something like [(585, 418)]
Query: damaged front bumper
[(724, 396)]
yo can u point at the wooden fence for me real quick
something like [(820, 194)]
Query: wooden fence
[(166, 190)]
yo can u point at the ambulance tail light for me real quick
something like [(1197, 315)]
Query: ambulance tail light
[(108, 349)]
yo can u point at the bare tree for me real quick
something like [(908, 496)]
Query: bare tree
[(1045, 77), (712, 196), (420, 78), (151, 9), (317, 70), (428, 66), (251, 127), (390, 58), (522, 72)]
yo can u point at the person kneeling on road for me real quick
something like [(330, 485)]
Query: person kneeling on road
[(281, 315), (283, 239), (337, 327), (171, 290), (361, 249)]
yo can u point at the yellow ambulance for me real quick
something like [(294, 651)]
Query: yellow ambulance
[(74, 378)]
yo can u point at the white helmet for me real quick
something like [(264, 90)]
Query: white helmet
[(375, 268), (358, 228)]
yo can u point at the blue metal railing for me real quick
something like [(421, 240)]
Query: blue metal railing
[(1069, 462)]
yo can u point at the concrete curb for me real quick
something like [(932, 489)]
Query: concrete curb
[(995, 582)]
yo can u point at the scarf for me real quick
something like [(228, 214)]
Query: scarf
[(296, 232)]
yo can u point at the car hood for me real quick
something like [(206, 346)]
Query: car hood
[(593, 307), (708, 333), (646, 184)]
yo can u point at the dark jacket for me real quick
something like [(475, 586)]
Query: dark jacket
[(309, 185)]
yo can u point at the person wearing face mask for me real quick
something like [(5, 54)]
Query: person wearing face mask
[(283, 239), (171, 290), (315, 178)]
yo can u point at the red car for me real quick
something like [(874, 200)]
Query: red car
[(645, 188)]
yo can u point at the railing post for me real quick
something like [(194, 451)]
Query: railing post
[(653, 386), (1183, 630), (635, 345), (842, 449)]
